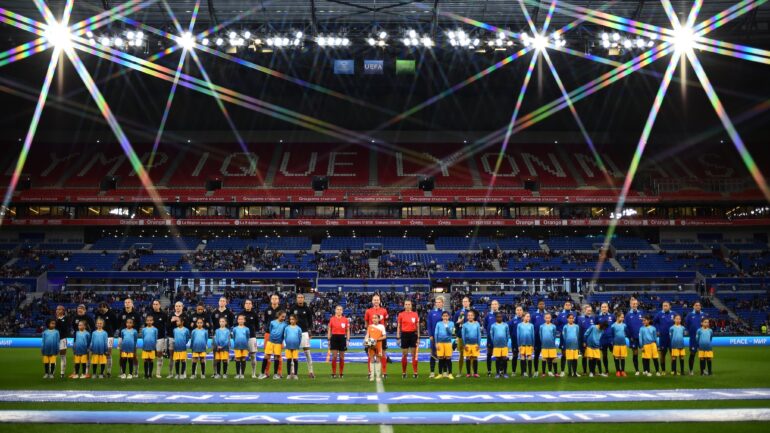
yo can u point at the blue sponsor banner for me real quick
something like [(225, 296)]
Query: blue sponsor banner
[(344, 67), (358, 398), (374, 67), (388, 418), (424, 343)]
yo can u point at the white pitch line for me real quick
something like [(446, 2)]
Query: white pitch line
[(383, 408)]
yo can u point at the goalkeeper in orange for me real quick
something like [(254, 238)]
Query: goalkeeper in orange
[(375, 335)]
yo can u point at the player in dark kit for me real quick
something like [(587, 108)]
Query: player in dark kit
[(64, 326), (304, 315), (111, 324), (538, 319), (271, 313), (129, 312), (88, 323), (250, 321), (200, 313), (221, 312), (160, 322), (178, 315)]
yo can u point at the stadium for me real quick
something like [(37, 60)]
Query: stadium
[(384, 215)]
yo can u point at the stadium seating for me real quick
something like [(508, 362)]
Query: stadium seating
[(273, 243), (628, 243), (749, 306), (155, 243), (343, 165), (177, 167), (706, 264), (555, 262), (681, 246), (518, 243), (70, 262), (574, 243), (460, 243), (357, 243)]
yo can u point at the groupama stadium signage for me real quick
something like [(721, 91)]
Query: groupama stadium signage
[(320, 222)]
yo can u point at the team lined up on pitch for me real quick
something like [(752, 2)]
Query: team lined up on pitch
[(525, 340)]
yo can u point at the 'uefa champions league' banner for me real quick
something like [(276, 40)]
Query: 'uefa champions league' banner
[(390, 398), (358, 343), (344, 67), (387, 418), (374, 67)]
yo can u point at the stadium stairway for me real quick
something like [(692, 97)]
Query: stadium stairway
[(374, 267), (496, 264), (615, 264), (129, 262), (373, 169), (575, 299), (721, 305), (570, 167)]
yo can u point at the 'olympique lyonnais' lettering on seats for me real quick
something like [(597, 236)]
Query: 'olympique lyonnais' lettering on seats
[(290, 165)]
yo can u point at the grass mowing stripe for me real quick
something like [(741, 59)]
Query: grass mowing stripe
[(734, 367), (383, 408)]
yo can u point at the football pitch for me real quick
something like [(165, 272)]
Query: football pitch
[(21, 369)]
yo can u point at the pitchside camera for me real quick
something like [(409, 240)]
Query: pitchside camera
[(426, 183), (531, 184), (24, 184), (108, 183), (213, 184), (320, 183)]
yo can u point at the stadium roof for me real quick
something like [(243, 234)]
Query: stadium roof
[(336, 13)]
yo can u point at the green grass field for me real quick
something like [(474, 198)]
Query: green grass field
[(734, 368)]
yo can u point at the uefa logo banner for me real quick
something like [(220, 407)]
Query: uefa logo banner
[(373, 67), (344, 67)]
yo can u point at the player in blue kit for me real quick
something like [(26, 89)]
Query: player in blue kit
[(181, 339), (241, 336), (606, 318), (692, 323), (663, 321), (127, 344), (634, 322), (647, 339), (676, 336), (619, 347), (548, 346), (585, 322), (561, 320), (513, 326), (149, 344), (80, 346), (221, 349), (499, 334), (274, 345), (593, 342), (199, 342), (471, 335), (99, 349), (50, 348), (434, 317), (443, 334), (292, 337), (570, 333), (525, 337), (705, 350), (537, 318), (489, 320)]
